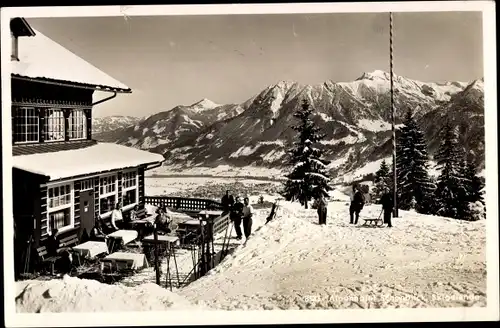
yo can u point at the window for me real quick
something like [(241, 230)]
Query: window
[(129, 182), (87, 184), (54, 125), (25, 124), (60, 207), (77, 124), (108, 193)]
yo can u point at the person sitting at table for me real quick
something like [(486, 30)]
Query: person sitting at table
[(133, 213), (117, 217), (130, 218), (162, 221), (96, 234)]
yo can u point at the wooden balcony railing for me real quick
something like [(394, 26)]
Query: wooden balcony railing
[(183, 204)]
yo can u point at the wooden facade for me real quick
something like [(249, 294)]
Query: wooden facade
[(30, 194), (51, 116)]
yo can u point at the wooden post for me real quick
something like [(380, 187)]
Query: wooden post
[(157, 267), (393, 114), (203, 254)]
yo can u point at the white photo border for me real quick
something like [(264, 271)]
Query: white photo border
[(491, 312)]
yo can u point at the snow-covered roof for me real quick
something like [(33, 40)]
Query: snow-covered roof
[(96, 158), (42, 58)]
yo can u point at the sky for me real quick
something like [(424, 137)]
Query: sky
[(179, 60)]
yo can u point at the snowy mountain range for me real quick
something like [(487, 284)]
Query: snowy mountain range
[(111, 123), (355, 116)]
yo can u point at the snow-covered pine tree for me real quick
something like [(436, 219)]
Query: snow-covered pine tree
[(382, 181), (451, 192), (462, 200), (412, 165), (475, 183), (474, 188), (309, 177)]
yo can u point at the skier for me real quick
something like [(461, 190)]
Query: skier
[(247, 217), (357, 203), (227, 202), (321, 205), (236, 216), (387, 205)]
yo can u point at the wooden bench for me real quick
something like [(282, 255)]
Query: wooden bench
[(69, 241), (43, 254), (141, 213)]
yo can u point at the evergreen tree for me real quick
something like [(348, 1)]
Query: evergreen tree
[(309, 177), (415, 187), (451, 192), (382, 181), (474, 189)]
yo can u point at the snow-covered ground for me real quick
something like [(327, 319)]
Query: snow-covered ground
[(293, 263), (221, 170), (173, 185), (81, 295)]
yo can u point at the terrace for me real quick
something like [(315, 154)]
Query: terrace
[(197, 242)]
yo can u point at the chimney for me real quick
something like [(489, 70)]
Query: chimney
[(14, 56)]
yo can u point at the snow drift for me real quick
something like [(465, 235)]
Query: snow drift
[(80, 295)]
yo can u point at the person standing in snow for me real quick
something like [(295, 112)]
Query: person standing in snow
[(321, 205), (247, 217), (357, 203), (227, 202), (236, 216), (387, 205)]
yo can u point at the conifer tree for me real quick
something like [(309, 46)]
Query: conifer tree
[(475, 184), (309, 177), (382, 181), (474, 193), (451, 192), (415, 187)]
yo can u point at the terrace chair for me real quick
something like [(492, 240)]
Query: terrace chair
[(46, 259)]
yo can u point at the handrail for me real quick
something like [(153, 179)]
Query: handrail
[(183, 203)]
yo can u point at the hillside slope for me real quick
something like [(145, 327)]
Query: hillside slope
[(293, 263), (355, 116)]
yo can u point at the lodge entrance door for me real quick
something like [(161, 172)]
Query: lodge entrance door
[(87, 211)]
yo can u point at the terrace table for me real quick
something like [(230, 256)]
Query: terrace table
[(122, 260), (211, 213), (91, 249), (170, 242), (162, 239), (150, 218), (193, 223), (126, 236)]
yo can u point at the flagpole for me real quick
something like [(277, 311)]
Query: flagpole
[(393, 111)]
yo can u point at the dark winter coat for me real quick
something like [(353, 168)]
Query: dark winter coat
[(227, 202), (387, 201), (321, 204), (237, 211), (359, 201)]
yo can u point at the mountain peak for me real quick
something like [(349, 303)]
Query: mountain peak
[(283, 84), (205, 103), (376, 74)]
